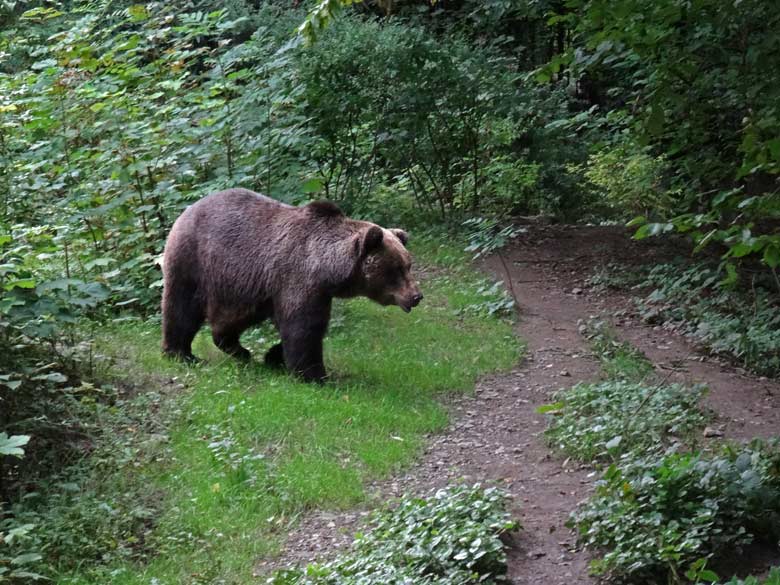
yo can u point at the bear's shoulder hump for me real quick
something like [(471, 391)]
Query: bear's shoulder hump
[(324, 209)]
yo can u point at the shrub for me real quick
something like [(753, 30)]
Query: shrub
[(629, 179), (40, 353), (452, 122), (17, 559)]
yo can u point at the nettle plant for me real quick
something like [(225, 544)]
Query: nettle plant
[(451, 537)]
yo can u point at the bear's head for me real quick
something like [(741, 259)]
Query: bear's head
[(384, 268)]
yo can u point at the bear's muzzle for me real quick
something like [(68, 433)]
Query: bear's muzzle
[(411, 302)]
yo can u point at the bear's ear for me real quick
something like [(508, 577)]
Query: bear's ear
[(401, 235), (369, 241)]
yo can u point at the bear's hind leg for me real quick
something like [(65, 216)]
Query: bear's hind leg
[(182, 316)]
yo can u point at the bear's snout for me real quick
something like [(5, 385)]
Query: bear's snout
[(411, 301)]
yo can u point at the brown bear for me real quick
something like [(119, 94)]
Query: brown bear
[(236, 258)]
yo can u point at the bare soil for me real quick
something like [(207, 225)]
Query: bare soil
[(496, 435)]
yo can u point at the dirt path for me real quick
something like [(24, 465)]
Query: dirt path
[(746, 406), (497, 435)]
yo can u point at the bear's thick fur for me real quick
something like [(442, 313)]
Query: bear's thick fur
[(236, 258)]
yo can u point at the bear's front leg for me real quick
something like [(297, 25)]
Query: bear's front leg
[(228, 341), (274, 358), (302, 348)]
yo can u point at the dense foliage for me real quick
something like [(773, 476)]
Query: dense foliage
[(116, 115), (677, 99), (631, 413), (666, 505), (739, 323), (452, 537)]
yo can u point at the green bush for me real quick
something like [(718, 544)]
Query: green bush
[(452, 537), (652, 517), (17, 558), (390, 100), (42, 298), (684, 80), (452, 125), (629, 180), (79, 522)]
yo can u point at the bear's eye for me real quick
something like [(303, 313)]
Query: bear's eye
[(394, 274)]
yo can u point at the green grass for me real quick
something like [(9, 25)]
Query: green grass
[(249, 449), (619, 359)]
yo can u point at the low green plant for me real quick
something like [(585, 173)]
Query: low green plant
[(653, 517), (451, 537), (616, 276), (487, 235), (773, 578), (88, 518), (43, 294), (493, 300), (619, 359), (606, 420), (629, 412), (17, 559), (741, 324)]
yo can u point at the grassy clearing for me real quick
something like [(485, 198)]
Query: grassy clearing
[(245, 450)]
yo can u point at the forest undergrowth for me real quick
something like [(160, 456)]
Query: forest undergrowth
[(452, 119)]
